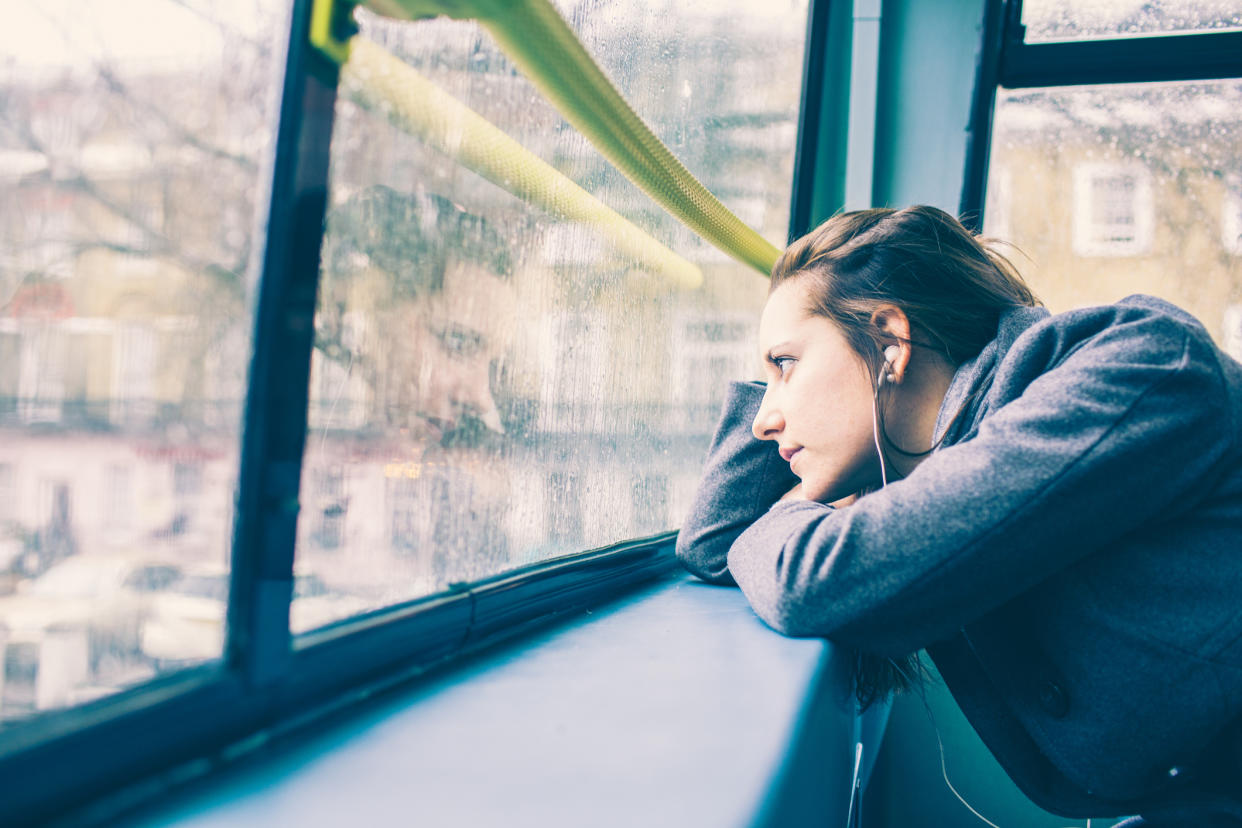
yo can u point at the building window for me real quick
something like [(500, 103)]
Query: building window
[(8, 494), (1231, 218), (41, 377), (708, 351), (997, 214), (419, 521), (571, 245), (649, 499), (331, 505), (575, 353), (1231, 342), (338, 391), (404, 523), (1112, 209), (187, 480), (118, 496), (133, 376), (564, 514)]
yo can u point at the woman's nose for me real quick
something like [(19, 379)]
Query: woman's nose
[(768, 422), (489, 414), (475, 395)]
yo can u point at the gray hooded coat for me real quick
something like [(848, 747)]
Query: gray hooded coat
[(1070, 557)]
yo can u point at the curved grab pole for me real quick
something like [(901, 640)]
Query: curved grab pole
[(538, 40), (379, 81)]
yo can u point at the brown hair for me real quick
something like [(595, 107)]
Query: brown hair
[(952, 285)]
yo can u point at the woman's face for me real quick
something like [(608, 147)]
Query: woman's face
[(818, 403), (455, 336)]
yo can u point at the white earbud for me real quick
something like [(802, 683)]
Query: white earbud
[(886, 373)]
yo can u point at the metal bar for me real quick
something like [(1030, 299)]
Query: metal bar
[(979, 130), (386, 85), (539, 41), (1183, 57), (864, 86), (275, 421), (809, 119)]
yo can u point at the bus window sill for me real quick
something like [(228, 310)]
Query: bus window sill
[(673, 705)]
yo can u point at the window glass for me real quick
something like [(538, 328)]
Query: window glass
[(1231, 216), (1047, 20), (128, 172), (494, 385), (1109, 191)]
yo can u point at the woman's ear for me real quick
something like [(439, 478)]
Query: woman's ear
[(892, 328)]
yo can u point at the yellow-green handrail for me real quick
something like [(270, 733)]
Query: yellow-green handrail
[(538, 40), (379, 81)]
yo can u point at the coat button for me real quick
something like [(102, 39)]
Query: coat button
[(1053, 699)]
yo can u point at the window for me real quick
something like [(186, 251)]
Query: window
[(187, 480), (1049, 20), (574, 354), (118, 497), (41, 387), (1112, 209), (564, 509), (118, 292), (1232, 339), (330, 506), (570, 245), (1118, 189), (524, 371), (997, 217), (401, 497), (133, 376), (47, 218), (650, 500), (703, 348), (338, 387), (1231, 217), (8, 491), (487, 389)]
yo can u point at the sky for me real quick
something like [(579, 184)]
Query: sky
[(57, 34), (73, 34), (51, 34)]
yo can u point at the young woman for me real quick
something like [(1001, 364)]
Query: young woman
[(1050, 505)]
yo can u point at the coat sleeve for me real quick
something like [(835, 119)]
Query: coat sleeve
[(741, 479), (1112, 438)]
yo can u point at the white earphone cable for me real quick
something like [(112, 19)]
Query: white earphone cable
[(944, 771), (875, 431)]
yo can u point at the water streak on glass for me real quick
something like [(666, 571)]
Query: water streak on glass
[(1114, 190), (493, 386), (1052, 20), (129, 165)]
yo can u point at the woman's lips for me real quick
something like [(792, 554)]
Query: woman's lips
[(432, 430), (788, 454)]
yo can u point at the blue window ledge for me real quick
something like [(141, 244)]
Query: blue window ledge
[(672, 706)]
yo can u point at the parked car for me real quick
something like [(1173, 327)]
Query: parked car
[(74, 632), (186, 621)]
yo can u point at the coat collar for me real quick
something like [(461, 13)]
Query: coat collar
[(974, 376)]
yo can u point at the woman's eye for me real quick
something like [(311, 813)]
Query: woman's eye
[(783, 364), (459, 343)]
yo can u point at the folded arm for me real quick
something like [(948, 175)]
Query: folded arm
[(741, 479), (1113, 438)]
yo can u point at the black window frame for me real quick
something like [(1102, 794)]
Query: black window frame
[(1007, 61)]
